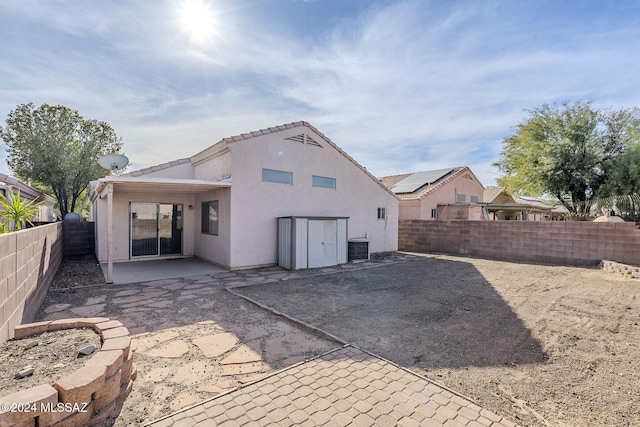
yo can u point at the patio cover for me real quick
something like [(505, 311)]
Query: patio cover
[(105, 187)]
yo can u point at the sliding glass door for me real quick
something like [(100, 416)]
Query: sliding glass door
[(156, 229)]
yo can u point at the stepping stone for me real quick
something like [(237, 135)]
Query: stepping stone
[(143, 342), (172, 350), (161, 304), (244, 354), (256, 332), (95, 300), (240, 369), (183, 400), (226, 384), (216, 345), (211, 389), (56, 307), (88, 310), (126, 293), (252, 378), (276, 349), (158, 374)]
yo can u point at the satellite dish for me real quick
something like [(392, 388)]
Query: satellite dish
[(113, 162)]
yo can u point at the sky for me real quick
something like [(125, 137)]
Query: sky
[(401, 86)]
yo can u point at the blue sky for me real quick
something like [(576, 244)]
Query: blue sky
[(401, 86)]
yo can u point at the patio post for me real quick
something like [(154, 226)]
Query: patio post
[(110, 233)]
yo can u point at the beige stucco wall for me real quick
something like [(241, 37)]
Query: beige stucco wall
[(213, 163), (209, 247), (443, 195), (249, 209), (256, 204), (121, 223)]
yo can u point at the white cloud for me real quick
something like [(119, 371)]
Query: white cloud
[(403, 86)]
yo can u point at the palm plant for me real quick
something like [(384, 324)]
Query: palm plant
[(16, 211)]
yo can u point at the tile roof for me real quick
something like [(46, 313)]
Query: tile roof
[(427, 188)]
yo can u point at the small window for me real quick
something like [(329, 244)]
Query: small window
[(281, 177), (461, 198), (434, 213), (323, 181), (474, 199), (382, 213), (210, 217)]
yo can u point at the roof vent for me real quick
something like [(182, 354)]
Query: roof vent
[(304, 139)]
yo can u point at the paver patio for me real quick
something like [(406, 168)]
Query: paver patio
[(347, 386)]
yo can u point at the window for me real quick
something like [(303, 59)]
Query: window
[(210, 217), (434, 213), (323, 181), (281, 177), (382, 213), (461, 198), (474, 199)]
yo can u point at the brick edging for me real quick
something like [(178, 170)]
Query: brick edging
[(85, 397), (619, 268)]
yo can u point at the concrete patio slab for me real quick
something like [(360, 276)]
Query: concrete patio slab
[(158, 269)]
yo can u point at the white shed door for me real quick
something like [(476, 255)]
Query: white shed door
[(323, 248)]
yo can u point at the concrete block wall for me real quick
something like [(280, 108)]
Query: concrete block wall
[(79, 238), (29, 260), (550, 242)]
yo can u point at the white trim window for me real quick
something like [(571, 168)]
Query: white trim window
[(323, 182), (210, 217), (280, 177), (382, 213)]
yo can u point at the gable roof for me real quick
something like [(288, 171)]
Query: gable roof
[(418, 185), (222, 145), (497, 195), (26, 191)]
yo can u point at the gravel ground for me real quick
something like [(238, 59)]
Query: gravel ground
[(51, 354), (78, 272)]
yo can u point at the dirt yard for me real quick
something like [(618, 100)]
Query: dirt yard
[(542, 345)]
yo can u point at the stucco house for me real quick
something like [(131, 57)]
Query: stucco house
[(502, 206), (10, 184), (223, 204), (452, 193)]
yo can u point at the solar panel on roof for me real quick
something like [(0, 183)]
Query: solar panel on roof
[(419, 179)]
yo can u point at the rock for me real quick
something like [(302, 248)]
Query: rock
[(30, 345), (86, 351), (58, 366), (27, 371)]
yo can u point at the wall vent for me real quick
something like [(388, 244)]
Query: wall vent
[(304, 139)]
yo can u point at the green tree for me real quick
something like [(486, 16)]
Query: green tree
[(57, 147), (566, 151), (624, 176), (16, 211)]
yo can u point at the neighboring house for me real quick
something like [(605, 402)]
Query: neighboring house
[(46, 203), (452, 193), (502, 206), (222, 205)]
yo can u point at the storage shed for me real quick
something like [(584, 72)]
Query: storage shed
[(311, 242)]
